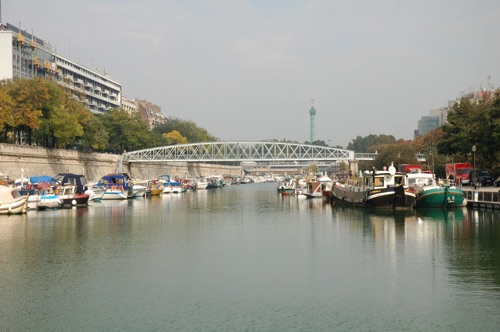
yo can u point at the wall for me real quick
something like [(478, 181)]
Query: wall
[(19, 160)]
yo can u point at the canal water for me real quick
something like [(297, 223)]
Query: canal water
[(244, 258)]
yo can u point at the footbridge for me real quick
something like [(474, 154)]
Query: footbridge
[(223, 152)]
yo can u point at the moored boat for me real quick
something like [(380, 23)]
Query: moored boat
[(69, 196), (11, 201), (377, 189), (114, 193), (117, 185), (429, 194), (48, 200), (71, 189), (319, 187), (287, 186)]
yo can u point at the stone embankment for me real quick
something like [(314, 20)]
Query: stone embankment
[(23, 160)]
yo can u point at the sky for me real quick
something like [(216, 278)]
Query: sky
[(248, 70)]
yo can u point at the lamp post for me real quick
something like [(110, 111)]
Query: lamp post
[(474, 165)]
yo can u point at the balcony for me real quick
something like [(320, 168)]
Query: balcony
[(79, 81)]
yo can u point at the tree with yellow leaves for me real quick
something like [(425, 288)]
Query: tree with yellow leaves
[(174, 137)]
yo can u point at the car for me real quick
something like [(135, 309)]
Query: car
[(483, 178)]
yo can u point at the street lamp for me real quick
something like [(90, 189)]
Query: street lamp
[(474, 165)]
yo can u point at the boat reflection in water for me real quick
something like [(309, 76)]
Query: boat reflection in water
[(431, 214)]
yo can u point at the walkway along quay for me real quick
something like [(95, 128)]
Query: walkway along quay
[(484, 197)]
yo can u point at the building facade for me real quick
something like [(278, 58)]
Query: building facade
[(27, 56), (149, 112)]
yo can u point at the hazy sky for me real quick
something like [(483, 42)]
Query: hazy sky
[(247, 69)]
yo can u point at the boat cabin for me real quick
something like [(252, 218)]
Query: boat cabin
[(66, 179), (384, 179), (116, 180)]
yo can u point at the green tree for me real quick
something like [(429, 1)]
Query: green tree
[(95, 136), (188, 129), (6, 112), (126, 132), (369, 143), (473, 121)]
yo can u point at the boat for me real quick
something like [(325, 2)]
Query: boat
[(319, 187), (69, 196), (376, 189), (114, 193), (117, 186), (429, 194), (11, 201), (287, 187), (48, 199), (169, 185), (71, 189), (139, 190), (201, 184), (155, 188)]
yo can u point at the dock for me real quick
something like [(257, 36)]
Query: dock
[(484, 197)]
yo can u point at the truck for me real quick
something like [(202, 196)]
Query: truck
[(459, 172), (409, 168)]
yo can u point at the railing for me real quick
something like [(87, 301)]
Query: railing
[(483, 198)]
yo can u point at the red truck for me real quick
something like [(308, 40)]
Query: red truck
[(459, 172), (409, 168)]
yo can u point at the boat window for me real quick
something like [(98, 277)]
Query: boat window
[(379, 182), (398, 180)]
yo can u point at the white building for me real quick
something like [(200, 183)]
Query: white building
[(25, 55)]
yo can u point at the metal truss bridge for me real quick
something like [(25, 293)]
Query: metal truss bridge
[(244, 151)]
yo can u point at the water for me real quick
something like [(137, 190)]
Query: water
[(246, 259)]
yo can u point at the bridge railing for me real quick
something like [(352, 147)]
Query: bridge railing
[(365, 156)]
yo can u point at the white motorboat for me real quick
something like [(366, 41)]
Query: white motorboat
[(11, 201), (114, 194)]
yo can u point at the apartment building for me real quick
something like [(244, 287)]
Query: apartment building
[(25, 55)]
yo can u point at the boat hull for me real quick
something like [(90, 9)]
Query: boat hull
[(385, 198), (50, 201), (390, 198), (114, 194), (441, 198), (16, 207), (76, 200)]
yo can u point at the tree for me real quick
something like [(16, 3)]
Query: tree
[(473, 121), (126, 131), (188, 129), (95, 136), (368, 143), (6, 112), (174, 137), (28, 97)]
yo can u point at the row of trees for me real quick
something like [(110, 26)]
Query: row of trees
[(43, 113)]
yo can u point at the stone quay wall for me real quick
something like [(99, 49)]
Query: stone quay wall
[(23, 160)]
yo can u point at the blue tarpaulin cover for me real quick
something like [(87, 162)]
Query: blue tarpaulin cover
[(40, 179)]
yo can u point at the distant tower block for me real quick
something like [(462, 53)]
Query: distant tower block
[(312, 114)]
